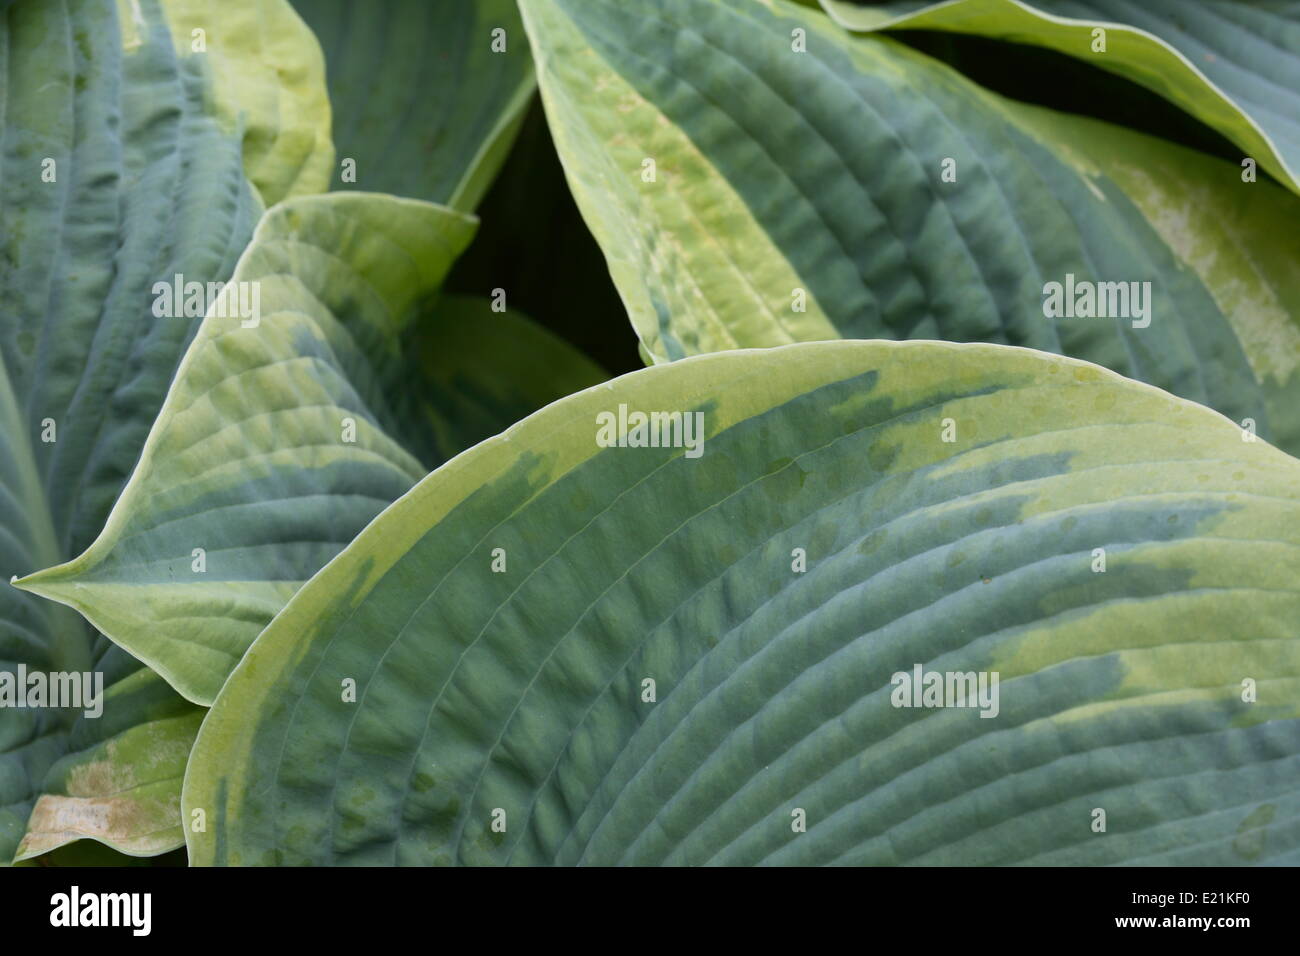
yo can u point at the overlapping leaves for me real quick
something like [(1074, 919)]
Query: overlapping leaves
[(1233, 65), (427, 95), (556, 652), (632, 654), (798, 192), (127, 159), (279, 442)]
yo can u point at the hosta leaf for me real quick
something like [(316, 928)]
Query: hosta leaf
[(120, 780), (267, 84), (1240, 241), (827, 536), (1233, 64), (122, 165), (486, 370), (786, 179), (424, 105), (279, 442)]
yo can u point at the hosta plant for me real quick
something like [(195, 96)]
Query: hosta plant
[(956, 519)]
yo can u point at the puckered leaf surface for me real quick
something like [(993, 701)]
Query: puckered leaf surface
[(280, 441), (500, 625), (126, 160), (798, 192)]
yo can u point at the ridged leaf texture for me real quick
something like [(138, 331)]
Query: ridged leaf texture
[(857, 510)]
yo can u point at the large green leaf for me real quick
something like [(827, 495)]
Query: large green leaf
[(427, 100), (1233, 64), (521, 689), (122, 164), (279, 442), (780, 172)]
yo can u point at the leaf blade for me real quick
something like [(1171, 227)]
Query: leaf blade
[(521, 691), (1231, 65), (423, 104), (123, 164), (119, 782), (830, 163), (278, 443)]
